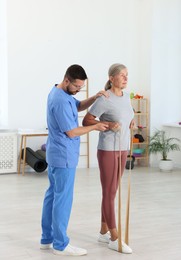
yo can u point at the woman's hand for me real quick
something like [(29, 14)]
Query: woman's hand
[(132, 124), (114, 126)]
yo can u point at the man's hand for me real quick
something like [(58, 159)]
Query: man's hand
[(84, 104), (101, 127), (102, 93)]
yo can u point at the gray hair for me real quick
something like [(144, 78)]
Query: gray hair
[(114, 70)]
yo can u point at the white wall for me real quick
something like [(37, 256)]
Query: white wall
[(46, 36), (3, 67), (166, 63), (165, 69)]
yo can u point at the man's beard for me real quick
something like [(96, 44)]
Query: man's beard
[(71, 92)]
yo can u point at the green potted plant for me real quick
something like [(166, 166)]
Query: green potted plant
[(160, 143)]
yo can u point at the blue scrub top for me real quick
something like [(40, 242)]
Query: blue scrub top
[(62, 116)]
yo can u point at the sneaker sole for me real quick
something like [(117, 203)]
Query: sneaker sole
[(103, 240), (125, 249), (58, 252), (45, 247), (123, 252)]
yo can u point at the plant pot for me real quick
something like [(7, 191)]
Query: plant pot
[(166, 165)]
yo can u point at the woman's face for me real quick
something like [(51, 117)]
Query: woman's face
[(120, 80)]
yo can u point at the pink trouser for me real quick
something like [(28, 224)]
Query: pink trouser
[(109, 175)]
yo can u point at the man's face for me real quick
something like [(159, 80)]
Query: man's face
[(75, 86)]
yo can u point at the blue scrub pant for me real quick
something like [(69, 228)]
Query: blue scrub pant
[(57, 207)]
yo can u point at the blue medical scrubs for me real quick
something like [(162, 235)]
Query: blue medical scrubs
[(62, 153)]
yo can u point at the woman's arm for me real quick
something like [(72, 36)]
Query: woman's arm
[(91, 120)]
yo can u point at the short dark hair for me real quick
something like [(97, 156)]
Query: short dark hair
[(75, 72)]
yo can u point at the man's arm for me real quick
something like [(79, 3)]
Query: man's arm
[(84, 104), (81, 130)]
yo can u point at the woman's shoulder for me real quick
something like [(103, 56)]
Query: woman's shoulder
[(126, 94), (103, 98)]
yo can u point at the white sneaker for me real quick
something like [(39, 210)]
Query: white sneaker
[(114, 246), (104, 238), (45, 246), (71, 250)]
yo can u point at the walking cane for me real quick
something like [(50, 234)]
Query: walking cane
[(119, 200)]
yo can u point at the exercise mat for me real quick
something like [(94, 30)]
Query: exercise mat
[(42, 154), (34, 160)]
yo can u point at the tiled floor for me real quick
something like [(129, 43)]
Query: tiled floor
[(155, 216)]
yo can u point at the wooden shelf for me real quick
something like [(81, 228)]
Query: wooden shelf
[(141, 119), (143, 143), (140, 114)]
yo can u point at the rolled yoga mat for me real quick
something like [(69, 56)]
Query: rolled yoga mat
[(42, 154), (34, 160)]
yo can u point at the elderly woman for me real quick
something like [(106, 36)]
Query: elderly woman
[(117, 112)]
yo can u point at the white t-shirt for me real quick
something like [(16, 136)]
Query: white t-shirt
[(114, 109)]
